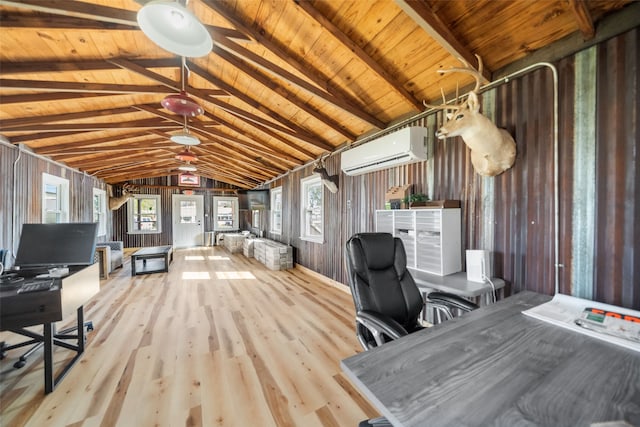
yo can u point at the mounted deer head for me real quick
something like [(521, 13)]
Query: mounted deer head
[(127, 193), (329, 181), (493, 150)]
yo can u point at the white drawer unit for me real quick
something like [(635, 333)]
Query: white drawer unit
[(431, 237)]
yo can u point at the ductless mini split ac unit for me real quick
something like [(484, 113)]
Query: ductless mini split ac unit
[(407, 145)]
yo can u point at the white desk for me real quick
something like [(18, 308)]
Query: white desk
[(497, 367), (457, 284)]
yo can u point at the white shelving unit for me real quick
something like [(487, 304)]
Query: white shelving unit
[(431, 237)]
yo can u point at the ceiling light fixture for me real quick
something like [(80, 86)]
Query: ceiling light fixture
[(172, 27), (186, 156), (187, 167), (181, 103), (184, 137)]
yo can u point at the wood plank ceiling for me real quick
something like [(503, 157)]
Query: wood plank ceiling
[(286, 82)]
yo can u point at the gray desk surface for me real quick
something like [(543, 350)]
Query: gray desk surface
[(455, 283), (497, 367)]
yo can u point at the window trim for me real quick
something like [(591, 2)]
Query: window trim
[(305, 183), (235, 213), (274, 192), (130, 205), (102, 215), (63, 185)]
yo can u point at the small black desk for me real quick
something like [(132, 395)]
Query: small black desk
[(67, 297)]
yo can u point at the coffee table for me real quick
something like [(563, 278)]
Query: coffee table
[(161, 256)]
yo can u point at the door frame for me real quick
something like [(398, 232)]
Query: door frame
[(175, 215)]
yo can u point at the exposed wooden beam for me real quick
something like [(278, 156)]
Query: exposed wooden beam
[(31, 67), (313, 75), (423, 15), (272, 85), (231, 47), (30, 137), (47, 97), (359, 52), (59, 19), (583, 18), (125, 160), (77, 9), (81, 148), (23, 121), (26, 20), (114, 137), (55, 86), (225, 154), (238, 112), (194, 126), (319, 142), (134, 124)]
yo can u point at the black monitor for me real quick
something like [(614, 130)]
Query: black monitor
[(57, 245)]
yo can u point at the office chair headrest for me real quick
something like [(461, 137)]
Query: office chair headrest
[(378, 250)]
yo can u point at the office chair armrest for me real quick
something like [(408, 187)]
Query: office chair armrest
[(379, 324), (451, 300)]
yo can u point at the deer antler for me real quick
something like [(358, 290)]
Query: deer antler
[(468, 69), (444, 105)]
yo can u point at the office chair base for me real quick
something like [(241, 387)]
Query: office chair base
[(38, 344), (375, 422)]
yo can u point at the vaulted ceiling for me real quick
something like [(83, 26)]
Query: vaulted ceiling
[(286, 82)]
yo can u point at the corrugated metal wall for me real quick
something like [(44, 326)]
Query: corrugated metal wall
[(165, 187), (513, 214), (20, 195)]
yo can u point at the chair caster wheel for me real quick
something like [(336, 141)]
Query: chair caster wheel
[(19, 364), (89, 326)]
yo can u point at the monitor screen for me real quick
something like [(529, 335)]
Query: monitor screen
[(43, 245)]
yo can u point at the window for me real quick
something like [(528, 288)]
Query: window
[(256, 219), (100, 210), (225, 211), (144, 214), (312, 209), (55, 199), (276, 210), (188, 212)]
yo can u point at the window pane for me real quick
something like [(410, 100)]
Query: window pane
[(312, 210), (145, 216), (187, 211), (225, 214), (97, 210), (276, 210)]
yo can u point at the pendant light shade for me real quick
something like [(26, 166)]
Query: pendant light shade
[(182, 104), (172, 27), (186, 156), (187, 168), (184, 138)]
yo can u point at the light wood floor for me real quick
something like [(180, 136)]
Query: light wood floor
[(218, 341)]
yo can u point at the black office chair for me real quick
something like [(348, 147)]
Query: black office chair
[(387, 300)]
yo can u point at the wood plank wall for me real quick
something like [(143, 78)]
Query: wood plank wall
[(511, 215)]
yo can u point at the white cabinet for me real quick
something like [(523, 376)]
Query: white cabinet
[(431, 237)]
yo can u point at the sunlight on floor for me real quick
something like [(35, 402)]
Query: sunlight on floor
[(194, 258), (195, 275), (234, 275), (218, 258)]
